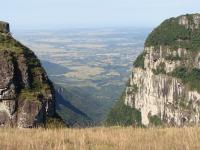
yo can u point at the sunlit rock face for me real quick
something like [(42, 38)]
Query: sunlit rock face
[(26, 94), (164, 82)]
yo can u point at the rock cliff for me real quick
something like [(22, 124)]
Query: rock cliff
[(165, 82), (26, 94)]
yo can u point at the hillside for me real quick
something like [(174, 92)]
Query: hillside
[(84, 100), (165, 82), (70, 114)]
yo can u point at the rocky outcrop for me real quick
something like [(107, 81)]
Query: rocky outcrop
[(4, 27), (26, 93), (165, 81)]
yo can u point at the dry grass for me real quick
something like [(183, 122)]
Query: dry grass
[(116, 138)]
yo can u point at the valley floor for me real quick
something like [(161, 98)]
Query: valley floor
[(114, 138)]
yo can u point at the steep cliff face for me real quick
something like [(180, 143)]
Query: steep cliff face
[(165, 81), (26, 94)]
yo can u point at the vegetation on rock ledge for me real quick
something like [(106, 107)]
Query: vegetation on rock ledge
[(160, 69), (139, 62), (188, 76), (171, 33)]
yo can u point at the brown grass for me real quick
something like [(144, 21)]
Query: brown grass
[(115, 138)]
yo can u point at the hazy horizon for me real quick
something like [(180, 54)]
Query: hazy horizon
[(63, 14)]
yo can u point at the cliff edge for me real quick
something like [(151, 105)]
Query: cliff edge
[(164, 86), (26, 93)]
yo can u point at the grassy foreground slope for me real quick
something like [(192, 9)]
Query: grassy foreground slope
[(101, 139)]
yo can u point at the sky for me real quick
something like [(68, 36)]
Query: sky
[(52, 14)]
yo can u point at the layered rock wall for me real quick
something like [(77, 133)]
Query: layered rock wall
[(155, 91)]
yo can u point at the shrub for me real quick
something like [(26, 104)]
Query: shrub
[(155, 120), (139, 62), (54, 122), (123, 115)]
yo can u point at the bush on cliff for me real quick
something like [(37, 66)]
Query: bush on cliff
[(123, 115)]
